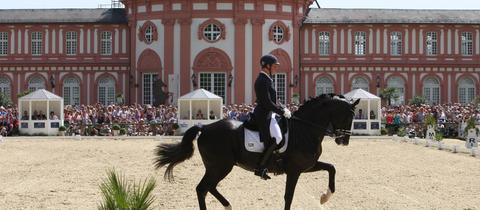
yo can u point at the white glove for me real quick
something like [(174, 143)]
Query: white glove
[(287, 113)]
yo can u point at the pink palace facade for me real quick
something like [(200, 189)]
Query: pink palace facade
[(94, 55)]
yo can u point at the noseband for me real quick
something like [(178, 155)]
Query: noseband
[(337, 133)]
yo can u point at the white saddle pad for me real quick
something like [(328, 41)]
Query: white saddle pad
[(253, 144)]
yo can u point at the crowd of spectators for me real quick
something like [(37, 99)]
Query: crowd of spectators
[(145, 120), (449, 117)]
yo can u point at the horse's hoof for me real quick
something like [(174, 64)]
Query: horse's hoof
[(229, 207), (325, 196)]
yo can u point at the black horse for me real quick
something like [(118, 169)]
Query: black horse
[(221, 145)]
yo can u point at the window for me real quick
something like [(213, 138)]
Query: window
[(467, 43), (71, 91), (323, 85), (148, 86), (278, 32), (71, 42), (431, 90), (37, 43), (212, 32), (431, 43), (360, 83), (106, 43), (324, 43), (5, 87), (36, 83), (360, 43), (396, 43), (106, 91), (280, 85), (398, 84), (215, 83), (149, 34), (466, 90), (3, 43)]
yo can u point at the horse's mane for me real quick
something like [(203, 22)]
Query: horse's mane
[(313, 101)]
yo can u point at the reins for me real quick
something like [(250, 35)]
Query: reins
[(334, 134)]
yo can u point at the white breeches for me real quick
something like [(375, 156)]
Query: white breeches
[(275, 131)]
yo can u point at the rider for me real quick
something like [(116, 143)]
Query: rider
[(266, 106)]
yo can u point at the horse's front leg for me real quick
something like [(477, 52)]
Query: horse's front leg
[(331, 179), (292, 179)]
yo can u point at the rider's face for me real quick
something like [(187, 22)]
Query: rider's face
[(274, 68)]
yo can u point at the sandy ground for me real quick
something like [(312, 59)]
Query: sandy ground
[(371, 174)]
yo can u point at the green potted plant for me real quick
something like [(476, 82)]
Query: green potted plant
[(61, 130), (439, 138), (116, 129), (123, 131), (470, 126)]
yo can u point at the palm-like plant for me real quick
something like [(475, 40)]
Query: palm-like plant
[(388, 94), (119, 194)]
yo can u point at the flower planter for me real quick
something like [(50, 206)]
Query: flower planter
[(116, 132)]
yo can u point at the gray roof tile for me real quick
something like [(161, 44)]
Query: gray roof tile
[(334, 16), (114, 16)]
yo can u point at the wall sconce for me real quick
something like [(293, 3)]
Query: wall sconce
[(230, 80), (378, 81), (295, 81), (52, 81), (194, 80)]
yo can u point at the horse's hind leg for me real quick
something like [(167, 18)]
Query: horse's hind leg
[(209, 184)]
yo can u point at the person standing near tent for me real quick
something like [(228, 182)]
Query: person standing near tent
[(266, 106)]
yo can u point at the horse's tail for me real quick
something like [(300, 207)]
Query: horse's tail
[(173, 154)]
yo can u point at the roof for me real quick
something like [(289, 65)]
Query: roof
[(400, 16), (360, 93), (200, 94), (41, 94), (113, 16)]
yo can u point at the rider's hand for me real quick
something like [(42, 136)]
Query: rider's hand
[(287, 113)]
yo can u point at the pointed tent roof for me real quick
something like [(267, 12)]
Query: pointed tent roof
[(360, 93), (200, 94), (41, 94)]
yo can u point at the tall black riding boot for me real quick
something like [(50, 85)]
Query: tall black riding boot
[(261, 171)]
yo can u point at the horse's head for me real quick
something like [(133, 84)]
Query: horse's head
[(341, 113), (330, 113)]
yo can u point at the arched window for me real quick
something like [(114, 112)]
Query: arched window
[(36, 83), (106, 91), (360, 83), (149, 34), (398, 84), (466, 90), (71, 91), (431, 90), (5, 86), (323, 85)]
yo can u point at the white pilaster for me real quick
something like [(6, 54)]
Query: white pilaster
[(46, 41), (370, 41), (406, 42), (449, 42), (414, 42), (305, 41), (456, 42), (385, 42), (12, 40), (54, 41), (117, 41), (26, 41), (124, 41), (334, 41), (377, 42), (349, 41), (342, 41), (95, 41), (82, 39), (60, 41), (420, 42)]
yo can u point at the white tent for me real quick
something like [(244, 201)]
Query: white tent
[(34, 113), (367, 119), (199, 107)]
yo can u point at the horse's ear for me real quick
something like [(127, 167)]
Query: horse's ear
[(354, 104)]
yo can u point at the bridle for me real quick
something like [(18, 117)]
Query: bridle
[(337, 133)]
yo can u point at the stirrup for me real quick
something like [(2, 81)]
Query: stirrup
[(262, 173)]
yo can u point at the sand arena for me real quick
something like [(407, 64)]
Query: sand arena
[(53, 173)]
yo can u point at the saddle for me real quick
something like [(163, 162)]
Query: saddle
[(252, 125), (252, 139)]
